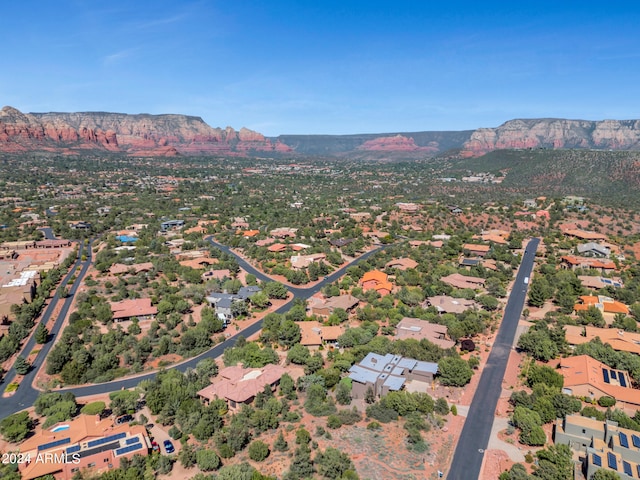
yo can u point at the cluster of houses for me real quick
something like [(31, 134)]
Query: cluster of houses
[(601, 445)]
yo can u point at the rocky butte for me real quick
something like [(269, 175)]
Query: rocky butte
[(166, 135), (139, 135)]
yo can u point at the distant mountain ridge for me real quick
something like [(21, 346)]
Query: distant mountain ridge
[(142, 134), (172, 134)]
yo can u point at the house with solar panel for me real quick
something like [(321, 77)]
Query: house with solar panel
[(604, 445), (388, 373), (584, 376), (84, 443)]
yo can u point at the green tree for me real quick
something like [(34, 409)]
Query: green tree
[(258, 451), (454, 371), (42, 334), (334, 464), (16, 427), (281, 444), (275, 290), (207, 460), (602, 474), (21, 365)]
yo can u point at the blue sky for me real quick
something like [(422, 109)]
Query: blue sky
[(323, 66)]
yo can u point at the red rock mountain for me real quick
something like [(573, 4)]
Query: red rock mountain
[(555, 133), (155, 135), (140, 135)]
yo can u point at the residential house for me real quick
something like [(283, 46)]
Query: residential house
[(80, 225), (530, 203), (360, 216), (376, 280), (597, 283), (299, 262), (238, 386), (129, 309), (401, 263), (446, 304), (602, 445), (85, 443), (240, 222), (248, 233), (314, 334), (593, 249), (584, 235), (586, 377), (421, 329), (222, 303), (574, 263), (277, 247), (408, 207), (120, 268), (283, 232), (326, 307), (463, 281), (602, 303), (618, 339), (384, 374), (476, 249), (171, 225)]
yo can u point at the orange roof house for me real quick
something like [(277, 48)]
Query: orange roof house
[(239, 385), (119, 268), (618, 339), (584, 235), (314, 334), (277, 247), (463, 281), (250, 233), (586, 377), (376, 280), (80, 438), (476, 249), (128, 309), (401, 263), (421, 329), (574, 263), (602, 303)]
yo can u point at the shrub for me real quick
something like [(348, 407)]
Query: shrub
[(606, 401), (175, 433), (373, 426), (258, 451), (93, 408), (333, 421), (454, 410), (207, 460)]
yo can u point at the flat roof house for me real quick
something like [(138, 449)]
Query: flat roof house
[(421, 329), (387, 373)]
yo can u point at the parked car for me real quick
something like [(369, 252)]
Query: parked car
[(149, 426), (124, 419), (168, 446)]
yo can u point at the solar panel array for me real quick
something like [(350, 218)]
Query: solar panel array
[(110, 438), (73, 449), (605, 374), (612, 461), (597, 460), (57, 443), (130, 448), (613, 374), (623, 382), (624, 441), (132, 440), (635, 439), (626, 466)]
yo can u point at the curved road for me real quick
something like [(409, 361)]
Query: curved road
[(26, 395), (469, 453)]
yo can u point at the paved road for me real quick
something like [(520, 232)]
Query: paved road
[(26, 395), (467, 459)]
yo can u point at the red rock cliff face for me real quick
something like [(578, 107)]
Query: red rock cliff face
[(555, 133), (132, 134), (397, 143)]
